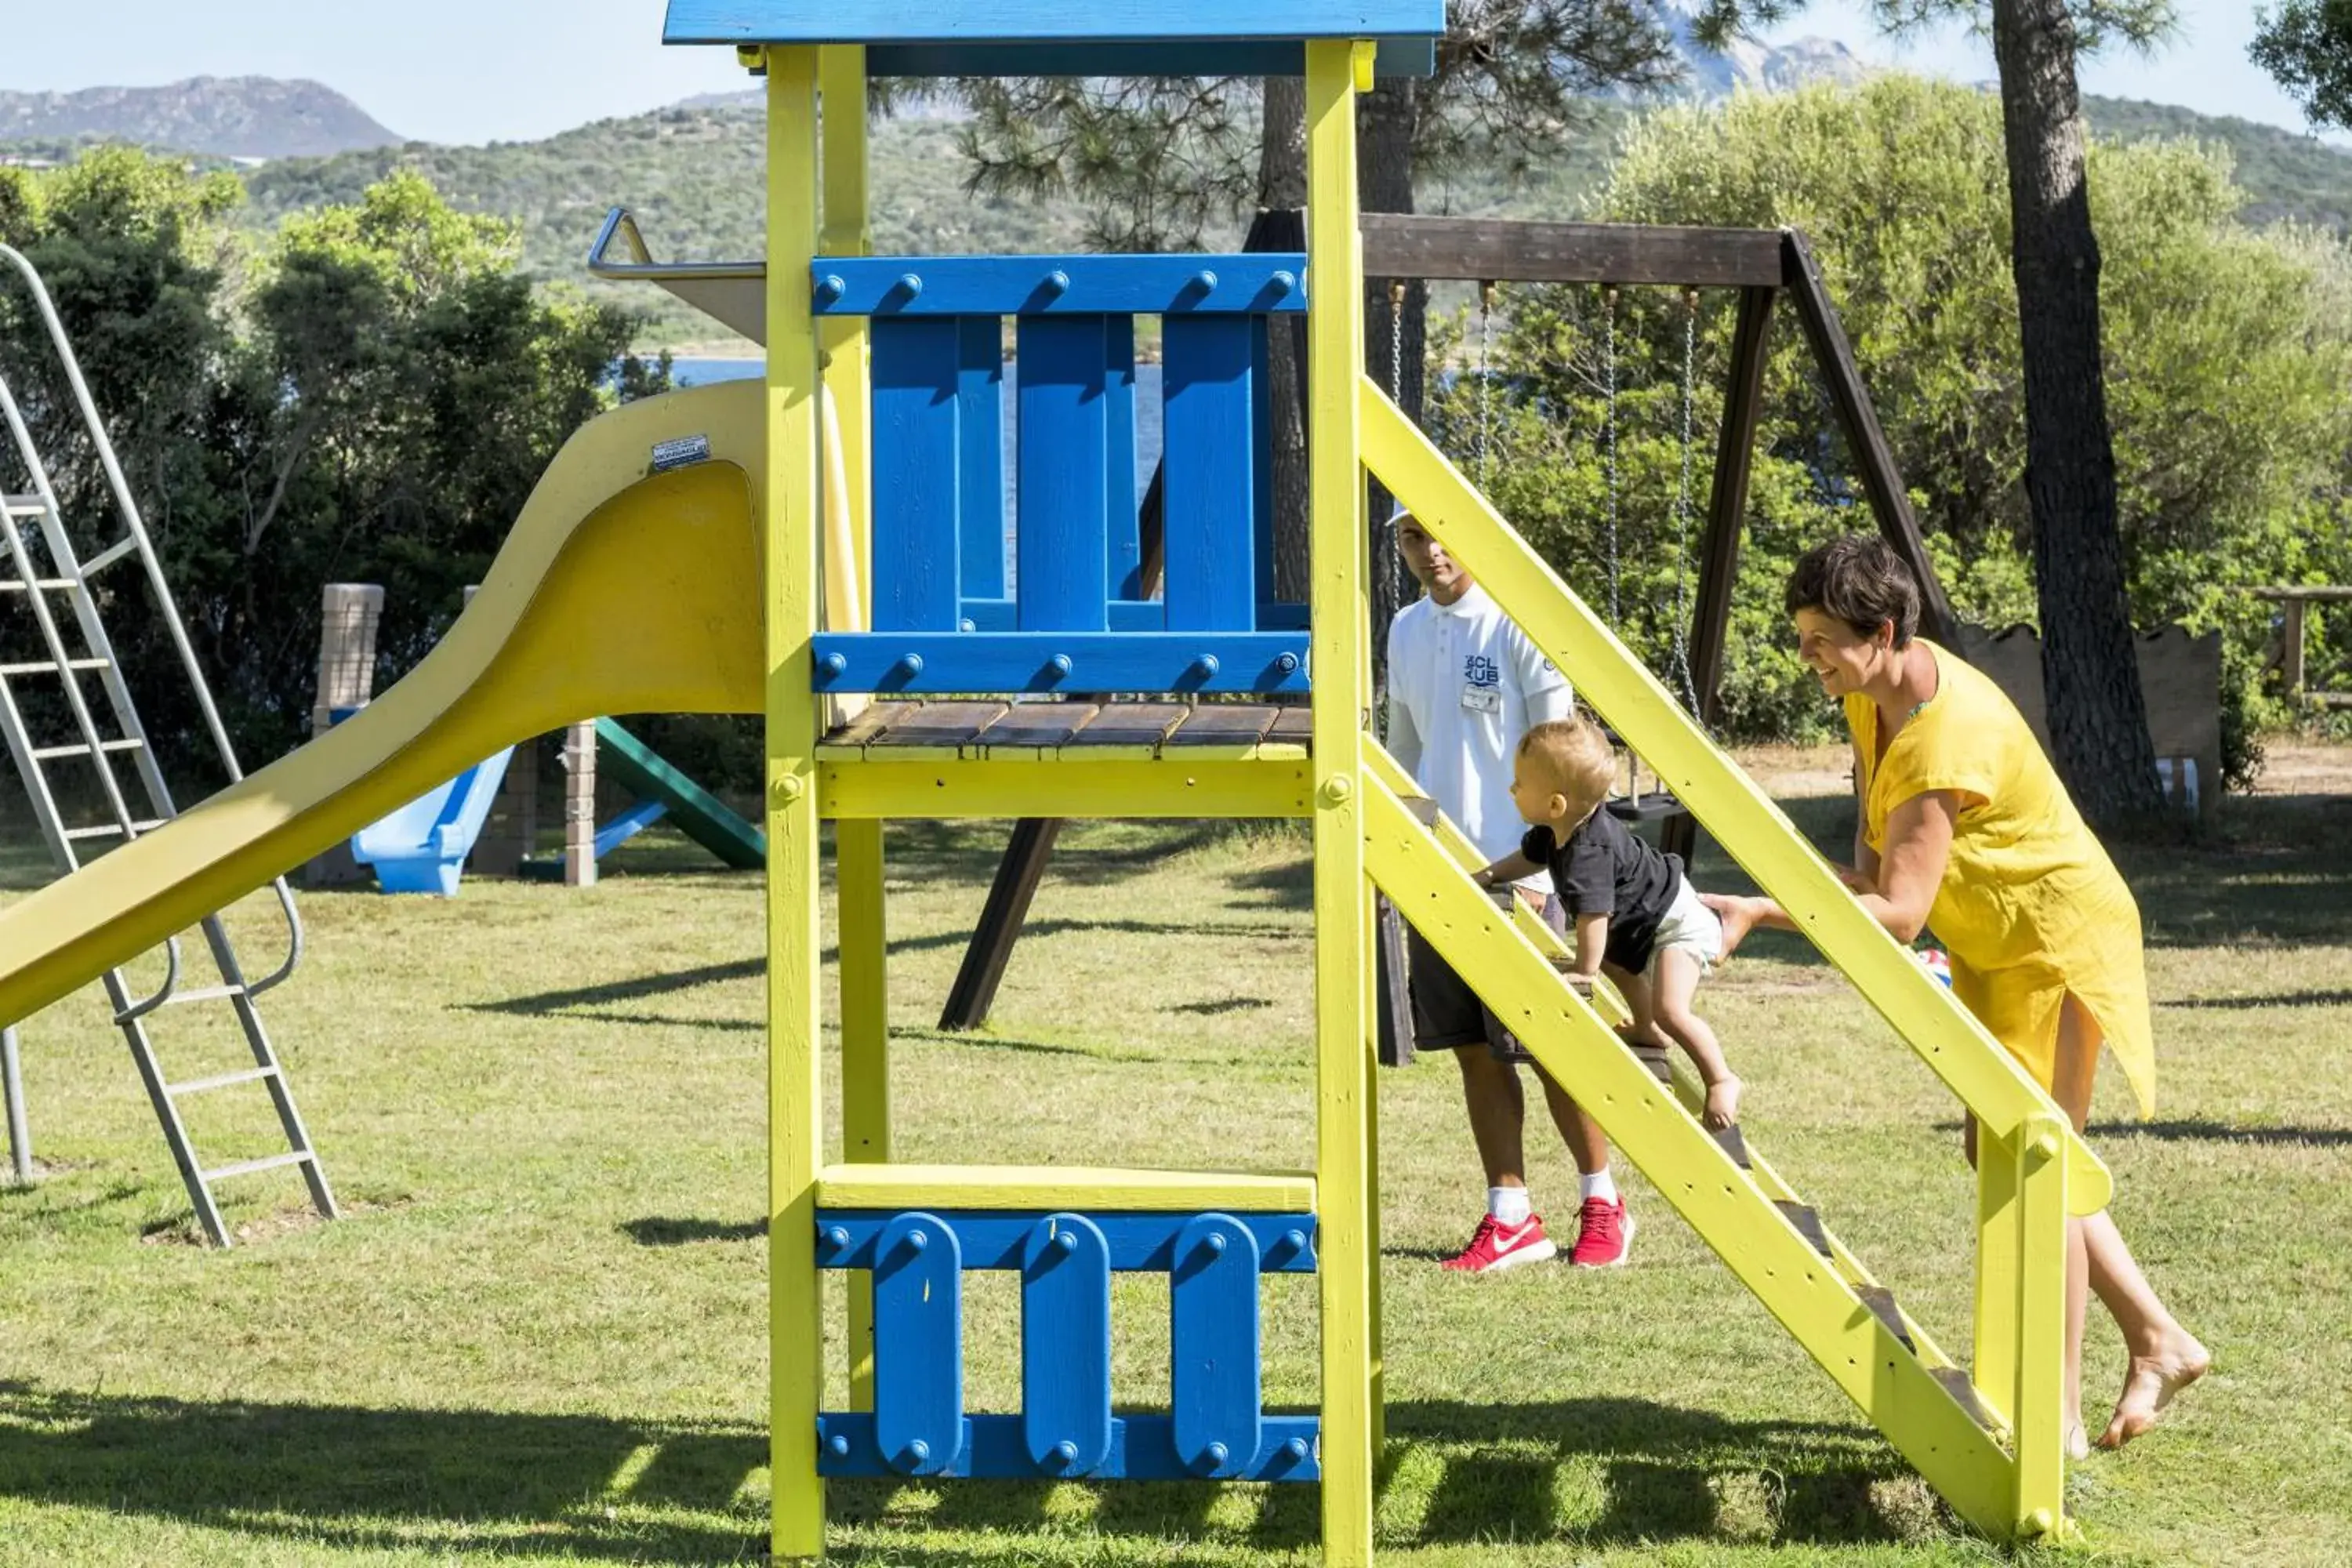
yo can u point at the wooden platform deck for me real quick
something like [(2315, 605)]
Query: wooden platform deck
[(1049, 731)]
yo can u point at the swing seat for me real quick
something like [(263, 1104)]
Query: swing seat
[(1650, 805)]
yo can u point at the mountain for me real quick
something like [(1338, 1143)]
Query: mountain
[(1747, 64), (693, 176), (228, 117)]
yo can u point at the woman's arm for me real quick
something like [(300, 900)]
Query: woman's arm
[(1918, 845), (1864, 876)]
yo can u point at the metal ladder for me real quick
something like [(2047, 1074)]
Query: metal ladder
[(41, 577)]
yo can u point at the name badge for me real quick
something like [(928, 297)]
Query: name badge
[(1483, 699)]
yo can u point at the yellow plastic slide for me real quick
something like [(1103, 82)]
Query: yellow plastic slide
[(620, 589)]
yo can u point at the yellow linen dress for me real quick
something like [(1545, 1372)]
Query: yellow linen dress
[(2031, 908)]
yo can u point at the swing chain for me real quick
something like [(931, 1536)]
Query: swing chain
[(1682, 665), (1609, 407), (1396, 341), (1485, 381)]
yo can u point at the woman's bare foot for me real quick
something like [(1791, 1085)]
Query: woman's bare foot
[(1738, 916), (2149, 1385), (1722, 1103)]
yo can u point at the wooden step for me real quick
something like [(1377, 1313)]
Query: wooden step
[(1964, 1394), (1881, 1302), (1808, 1221)]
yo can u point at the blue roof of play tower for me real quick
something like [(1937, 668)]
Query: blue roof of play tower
[(1068, 37)]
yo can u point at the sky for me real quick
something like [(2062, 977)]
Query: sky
[(481, 70)]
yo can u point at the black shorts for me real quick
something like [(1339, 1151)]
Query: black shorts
[(1446, 1014)]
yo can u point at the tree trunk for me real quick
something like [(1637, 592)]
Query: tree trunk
[(2097, 718), (1394, 334), (1282, 183)]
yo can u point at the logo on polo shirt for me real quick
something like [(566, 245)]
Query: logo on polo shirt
[(1477, 669)]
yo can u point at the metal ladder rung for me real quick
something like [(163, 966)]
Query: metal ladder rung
[(23, 505), (108, 556), (112, 830), (79, 749), (50, 667), (16, 584), (203, 994), (268, 1162), (219, 1080)]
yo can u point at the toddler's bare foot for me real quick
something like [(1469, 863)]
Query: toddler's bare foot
[(2078, 1446), (1722, 1103), (2149, 1385)]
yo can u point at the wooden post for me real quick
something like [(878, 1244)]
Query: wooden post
[(2291, 650), (1726, 509), (1881, 480), (792, 520), (580, 805), (350, 615), (846, 366), (2037, 1415), (1346, 1186), (1000, 918)]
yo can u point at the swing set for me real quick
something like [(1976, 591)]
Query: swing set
[(1762, 266)]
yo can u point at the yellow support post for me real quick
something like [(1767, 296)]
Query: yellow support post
[(2040, 1315), (865, 1051), (2000, 1251), (857, 862), (844, 341), (1342, 686), (795, 1074)]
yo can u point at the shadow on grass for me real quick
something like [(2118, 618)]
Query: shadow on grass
[(658, 1230), (489, 1482), (2340, 998), (639, 988), (2205, 1131)]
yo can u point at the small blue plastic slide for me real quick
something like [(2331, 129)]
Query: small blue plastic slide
[(421, 848)]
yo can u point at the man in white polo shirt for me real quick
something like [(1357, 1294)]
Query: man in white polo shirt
[(1464, 684)]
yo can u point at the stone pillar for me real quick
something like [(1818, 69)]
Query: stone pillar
[(347, 628), (580, 805)]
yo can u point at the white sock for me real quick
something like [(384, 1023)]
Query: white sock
[(1510, 1205), (1601, 1184)]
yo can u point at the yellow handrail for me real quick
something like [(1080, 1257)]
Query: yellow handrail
[(1743, 819)]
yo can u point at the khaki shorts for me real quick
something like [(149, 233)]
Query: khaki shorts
[(1691, 927)]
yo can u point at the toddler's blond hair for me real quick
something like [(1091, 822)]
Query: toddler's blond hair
[(1574, 758)]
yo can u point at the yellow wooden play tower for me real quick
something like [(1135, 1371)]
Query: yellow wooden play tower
[(826, 547)]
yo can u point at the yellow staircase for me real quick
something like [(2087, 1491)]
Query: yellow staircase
[(1992, 1445)]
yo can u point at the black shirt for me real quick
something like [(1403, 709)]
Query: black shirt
[(1604, 870)]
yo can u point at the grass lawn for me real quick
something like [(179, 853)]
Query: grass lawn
[(540, 1335)]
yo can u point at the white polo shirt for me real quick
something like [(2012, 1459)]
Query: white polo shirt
[(1465, 683)]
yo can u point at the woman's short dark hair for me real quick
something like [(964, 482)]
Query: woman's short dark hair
[(1860, 580)]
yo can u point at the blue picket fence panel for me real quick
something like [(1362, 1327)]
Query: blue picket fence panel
[(918, 1315), (1211, 495), (1142, 1449), (1066, 1346), (939, 503), (980, 448), (1214, 1331), (1066, 1428), (917, 496)]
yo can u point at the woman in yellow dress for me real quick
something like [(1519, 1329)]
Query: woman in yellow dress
[(1965, 828)]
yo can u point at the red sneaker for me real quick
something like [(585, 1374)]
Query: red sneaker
[(1495, 1246), (1604, 1230)]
